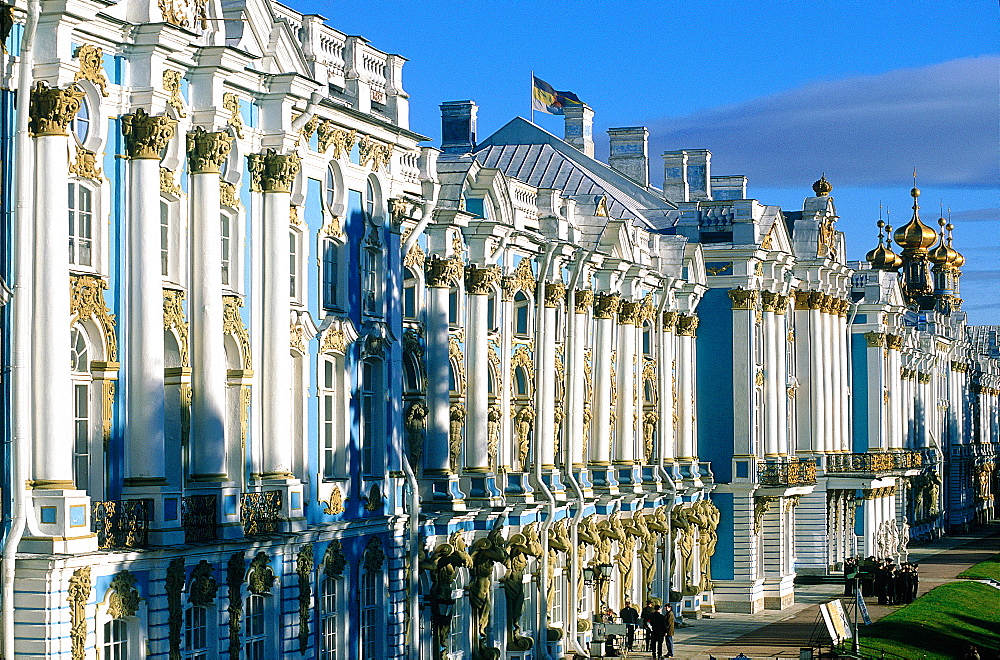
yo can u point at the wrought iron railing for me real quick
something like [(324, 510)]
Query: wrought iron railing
[(121, 524), (797, 472), (882, 461), (260, 512), (200, 517)]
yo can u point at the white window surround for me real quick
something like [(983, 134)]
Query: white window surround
[(298, 258), (84, 229), (135, 627), (96, 125), (330, 624), (332, 384)]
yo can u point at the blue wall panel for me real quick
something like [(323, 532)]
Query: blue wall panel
[(714, 350), (722, 560), (859, 393)]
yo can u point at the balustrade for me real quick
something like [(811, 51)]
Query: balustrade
[(800, 472), (875, 462), (200, 517), (121, 524), (260, 512)]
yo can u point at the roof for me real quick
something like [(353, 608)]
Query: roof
[(532, 155)]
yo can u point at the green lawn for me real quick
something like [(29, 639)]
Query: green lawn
[(941, 624), (989, 569)]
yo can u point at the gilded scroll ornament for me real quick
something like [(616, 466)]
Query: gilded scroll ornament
[(442, 272), (203, 587), (146, 136), (86, 300), (522, 278), (374, 554), (260, 577), (374, 500), (85, 165), (227, 195), (172, 85), (303, 569), (555, 292), (719, 268), (456, 418), (480, 280), (173, 319), (168, 184), (297, 337), (372, 151), (234, 580), (175, 611), (334, 341), (91, 67), (762, 505), (335, 505), (123, 598), (415, 258), (207, 150), (484, 553), (334, 561), (184, 13), (271, 172), (79, 594), (232, 324), (687, 326), (606, 305), (342, 141), (743, 298), (51, 109), (231, 102)]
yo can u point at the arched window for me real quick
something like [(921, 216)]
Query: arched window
[(411, 373), (647, 339), (254, 643), (520, 382), (371, 280), (82, 424), (329, 623), (81, 225), (521, 314), (371, 198), (115, 640), (330, 188), (196, 633), (409, 294), (80, 124), (454, 306)]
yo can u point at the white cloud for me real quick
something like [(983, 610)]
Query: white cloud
[(863, 131)]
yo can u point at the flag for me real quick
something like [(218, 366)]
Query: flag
[(546, 99)]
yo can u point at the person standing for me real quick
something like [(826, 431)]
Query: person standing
[(669, 634), (657, 631), (644, 615), (630, 618)]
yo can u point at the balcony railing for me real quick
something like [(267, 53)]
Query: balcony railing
[(801, 472), (121, 524), (200, 517), (261, 512), (874, 462)]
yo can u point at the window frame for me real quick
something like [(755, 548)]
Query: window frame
[(261, 638), (369, 606), (371, 392), (521, 305), (202, 653), (75, 190), (329, 629)]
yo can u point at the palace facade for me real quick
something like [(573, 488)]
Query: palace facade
[(335, 394)]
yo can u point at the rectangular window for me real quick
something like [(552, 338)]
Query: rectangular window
[(164, 239), (453, 307), (81, 451), (370, 628), (81, 220), (115, 645), (253, 646), (328, 620), (370, 281), (329, 421), (196, 633), (331, 266), (491, 313), (227, 242), (368, 421), (293, 265)]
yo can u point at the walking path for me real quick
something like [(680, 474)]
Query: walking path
[(772, 634)]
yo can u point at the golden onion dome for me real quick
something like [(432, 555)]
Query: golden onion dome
[(942, 255), (822, 188), (959, 260), (882, 257), (915, 235)]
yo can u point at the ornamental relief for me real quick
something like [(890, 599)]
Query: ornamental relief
[(584, 300), (51, 109), (79, 593), (168, 185), (173, 319), (342, 141), (606, 305), (172, 85), (372, 151), (175, 612), (184, 13), (521, 278), (335, 505), (480, 280), (203, 586), (145, 135), (374, 555), (555, 292), (629, 313), (687, 326), (273, 172), (334, 561), (457, 361), (669, 321), (415, 258), (85, 165), (91, 67), (442, 272), (744, 299), (522, 358), (123, 598), (260, 578), (207, 150), (231, 102), (227, 195), (86, 301), (303, 569)]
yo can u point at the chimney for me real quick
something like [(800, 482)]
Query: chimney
[(458, 127), (687, 175), (729, 187), (580, 128), (630, 153)]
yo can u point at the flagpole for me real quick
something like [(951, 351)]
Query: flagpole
[(532, 96)]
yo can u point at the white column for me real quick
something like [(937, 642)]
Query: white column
[(441, 274), (687, 326), (545, 427), (781, 374), (667, 358), (605, 305), (845, 385), (831, 408), (771, 384), (817, 364), (576, 377), (478, 284), (52, 391), (206, 152), (625, 453), (277, 172)]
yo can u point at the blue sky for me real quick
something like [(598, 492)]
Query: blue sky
[(780, 91)]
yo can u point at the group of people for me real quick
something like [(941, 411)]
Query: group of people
[(891, 583), (657, 626)]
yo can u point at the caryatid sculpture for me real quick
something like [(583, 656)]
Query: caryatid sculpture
[(683, 533), (520, 547), (586, 535), (485, 553), (626, 556), (443, 565), (558, 542), (647, 550), (706, 515), (608, 531)]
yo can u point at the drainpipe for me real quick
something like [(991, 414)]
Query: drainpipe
[(308, 113), (22, 236), (541, 625), (571, 629), (429, 190)]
